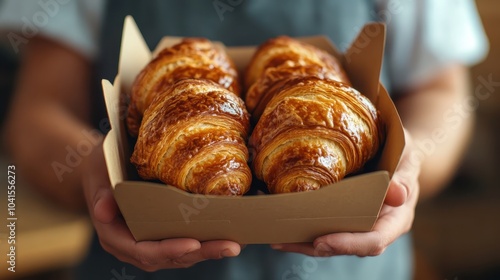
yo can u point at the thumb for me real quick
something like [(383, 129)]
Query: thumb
[(397, 193), (105, 208), (405, 178), (97, 188)]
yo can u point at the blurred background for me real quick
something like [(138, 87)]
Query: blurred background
[(456, 234)]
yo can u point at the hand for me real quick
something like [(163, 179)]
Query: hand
[(116, 238), (395, 219)]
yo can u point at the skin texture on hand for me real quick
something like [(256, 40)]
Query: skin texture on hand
[(116, 238), (395, 219)]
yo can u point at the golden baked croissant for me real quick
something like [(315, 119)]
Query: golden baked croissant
[(259, 93), (193, 136), (193, 58), (282, 57), (312, 133)]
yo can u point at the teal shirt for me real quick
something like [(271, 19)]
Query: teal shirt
[(250, 22)]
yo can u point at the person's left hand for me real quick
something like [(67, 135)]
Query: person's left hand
[(395, 219)]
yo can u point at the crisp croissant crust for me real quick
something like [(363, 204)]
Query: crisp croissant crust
[(312, 133), (193, 58), (193, 137), (259, 94), (285, 50)]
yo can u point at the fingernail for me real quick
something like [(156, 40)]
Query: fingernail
[(227, 253), (277, 246), (323, 247)]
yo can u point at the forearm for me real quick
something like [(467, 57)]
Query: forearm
[(440, 119), (48, 114)]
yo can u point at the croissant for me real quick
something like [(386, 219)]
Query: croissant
[(193, 136), (313, 132), (192, 58), (259, 93), (282, 57)]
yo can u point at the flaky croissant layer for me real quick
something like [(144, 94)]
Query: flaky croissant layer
[(193, 137), (192, 58), (282, 50), (312, 133)]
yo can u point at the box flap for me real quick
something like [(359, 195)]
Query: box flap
[(114, 149), (363, 59), (133, 51), (395, 137)]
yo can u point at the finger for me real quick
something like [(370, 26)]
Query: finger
[(100, 201), (394, 222), (403, 185), (123, 243), (368, 244), (405, 178), (97, 188), (302, 248), (216, 249), (116, 239), (220, 249), (105, 208), (397, 193)]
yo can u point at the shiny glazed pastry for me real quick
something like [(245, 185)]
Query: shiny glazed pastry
[(193, 137), (192, 58), (282, 57), (312, 133), (259, 94)]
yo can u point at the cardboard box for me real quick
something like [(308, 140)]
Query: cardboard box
[(155, 211)]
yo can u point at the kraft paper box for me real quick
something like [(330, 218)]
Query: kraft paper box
[(154, 211)]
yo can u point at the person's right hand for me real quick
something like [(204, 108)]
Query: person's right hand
[(116, 238)]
